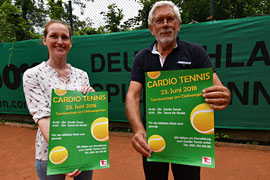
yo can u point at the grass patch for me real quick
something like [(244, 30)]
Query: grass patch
[(221, 137), (16, 121)]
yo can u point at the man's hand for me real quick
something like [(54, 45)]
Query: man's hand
[(139, 143), (217, 96), (133, 114)]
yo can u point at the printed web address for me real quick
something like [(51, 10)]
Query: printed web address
[(13, 104)]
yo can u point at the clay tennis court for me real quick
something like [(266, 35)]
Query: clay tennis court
[(233, 161)]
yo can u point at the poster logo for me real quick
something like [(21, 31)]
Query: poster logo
[(154, 74), (206, 160), (103, 162)]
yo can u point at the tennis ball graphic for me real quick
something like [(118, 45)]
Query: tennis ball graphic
[(156, 143), (99, 129), (153, 74), (60, 92), (58, 155), (202, 118)]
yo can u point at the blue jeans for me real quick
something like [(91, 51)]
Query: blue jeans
[(41, 168)]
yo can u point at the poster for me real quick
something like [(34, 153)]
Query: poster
[(79, 137), (179, 124)]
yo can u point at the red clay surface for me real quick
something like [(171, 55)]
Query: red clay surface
[(235, 162)]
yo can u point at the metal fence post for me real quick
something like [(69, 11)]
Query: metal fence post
[(70, 16), (211, 8)]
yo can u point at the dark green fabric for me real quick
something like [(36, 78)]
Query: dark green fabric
[(238, 48)]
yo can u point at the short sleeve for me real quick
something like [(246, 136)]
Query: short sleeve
[(137, 71), (205, 61)]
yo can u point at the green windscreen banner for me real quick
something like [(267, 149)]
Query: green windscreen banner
[(238, 48)]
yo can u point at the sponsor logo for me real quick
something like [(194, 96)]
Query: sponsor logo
[(103, 162), (184, 62), (206, 160)]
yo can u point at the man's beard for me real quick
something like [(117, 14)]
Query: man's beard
[(168, 39)]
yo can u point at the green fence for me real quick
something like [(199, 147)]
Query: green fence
[(238, 48)]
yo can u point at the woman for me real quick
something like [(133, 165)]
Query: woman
[(38, 81)]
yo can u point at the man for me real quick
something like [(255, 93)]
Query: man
[(168, 52)]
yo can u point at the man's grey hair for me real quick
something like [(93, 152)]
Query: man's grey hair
[(160, 4)]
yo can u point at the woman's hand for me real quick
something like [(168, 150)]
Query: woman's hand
[(74, 173), (85, 89)]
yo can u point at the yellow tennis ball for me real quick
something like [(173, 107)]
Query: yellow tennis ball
[(58, 155), (99, 129), (154, 74), (60, 92), (202, 118), (156, 143)]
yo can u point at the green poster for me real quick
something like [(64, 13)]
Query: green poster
[(79, 137), (179, 124)]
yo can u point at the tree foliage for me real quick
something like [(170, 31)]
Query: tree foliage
[(113, 18), (223, 9), (13, 27), (24, 19), (58, 9), (33, 12), (199, 10), (240, 8)]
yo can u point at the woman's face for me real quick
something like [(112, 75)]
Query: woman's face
[(57, 40)]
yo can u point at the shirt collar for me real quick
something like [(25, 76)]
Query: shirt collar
[(155, 51)]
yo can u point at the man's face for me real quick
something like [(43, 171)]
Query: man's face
[(165, 26)]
